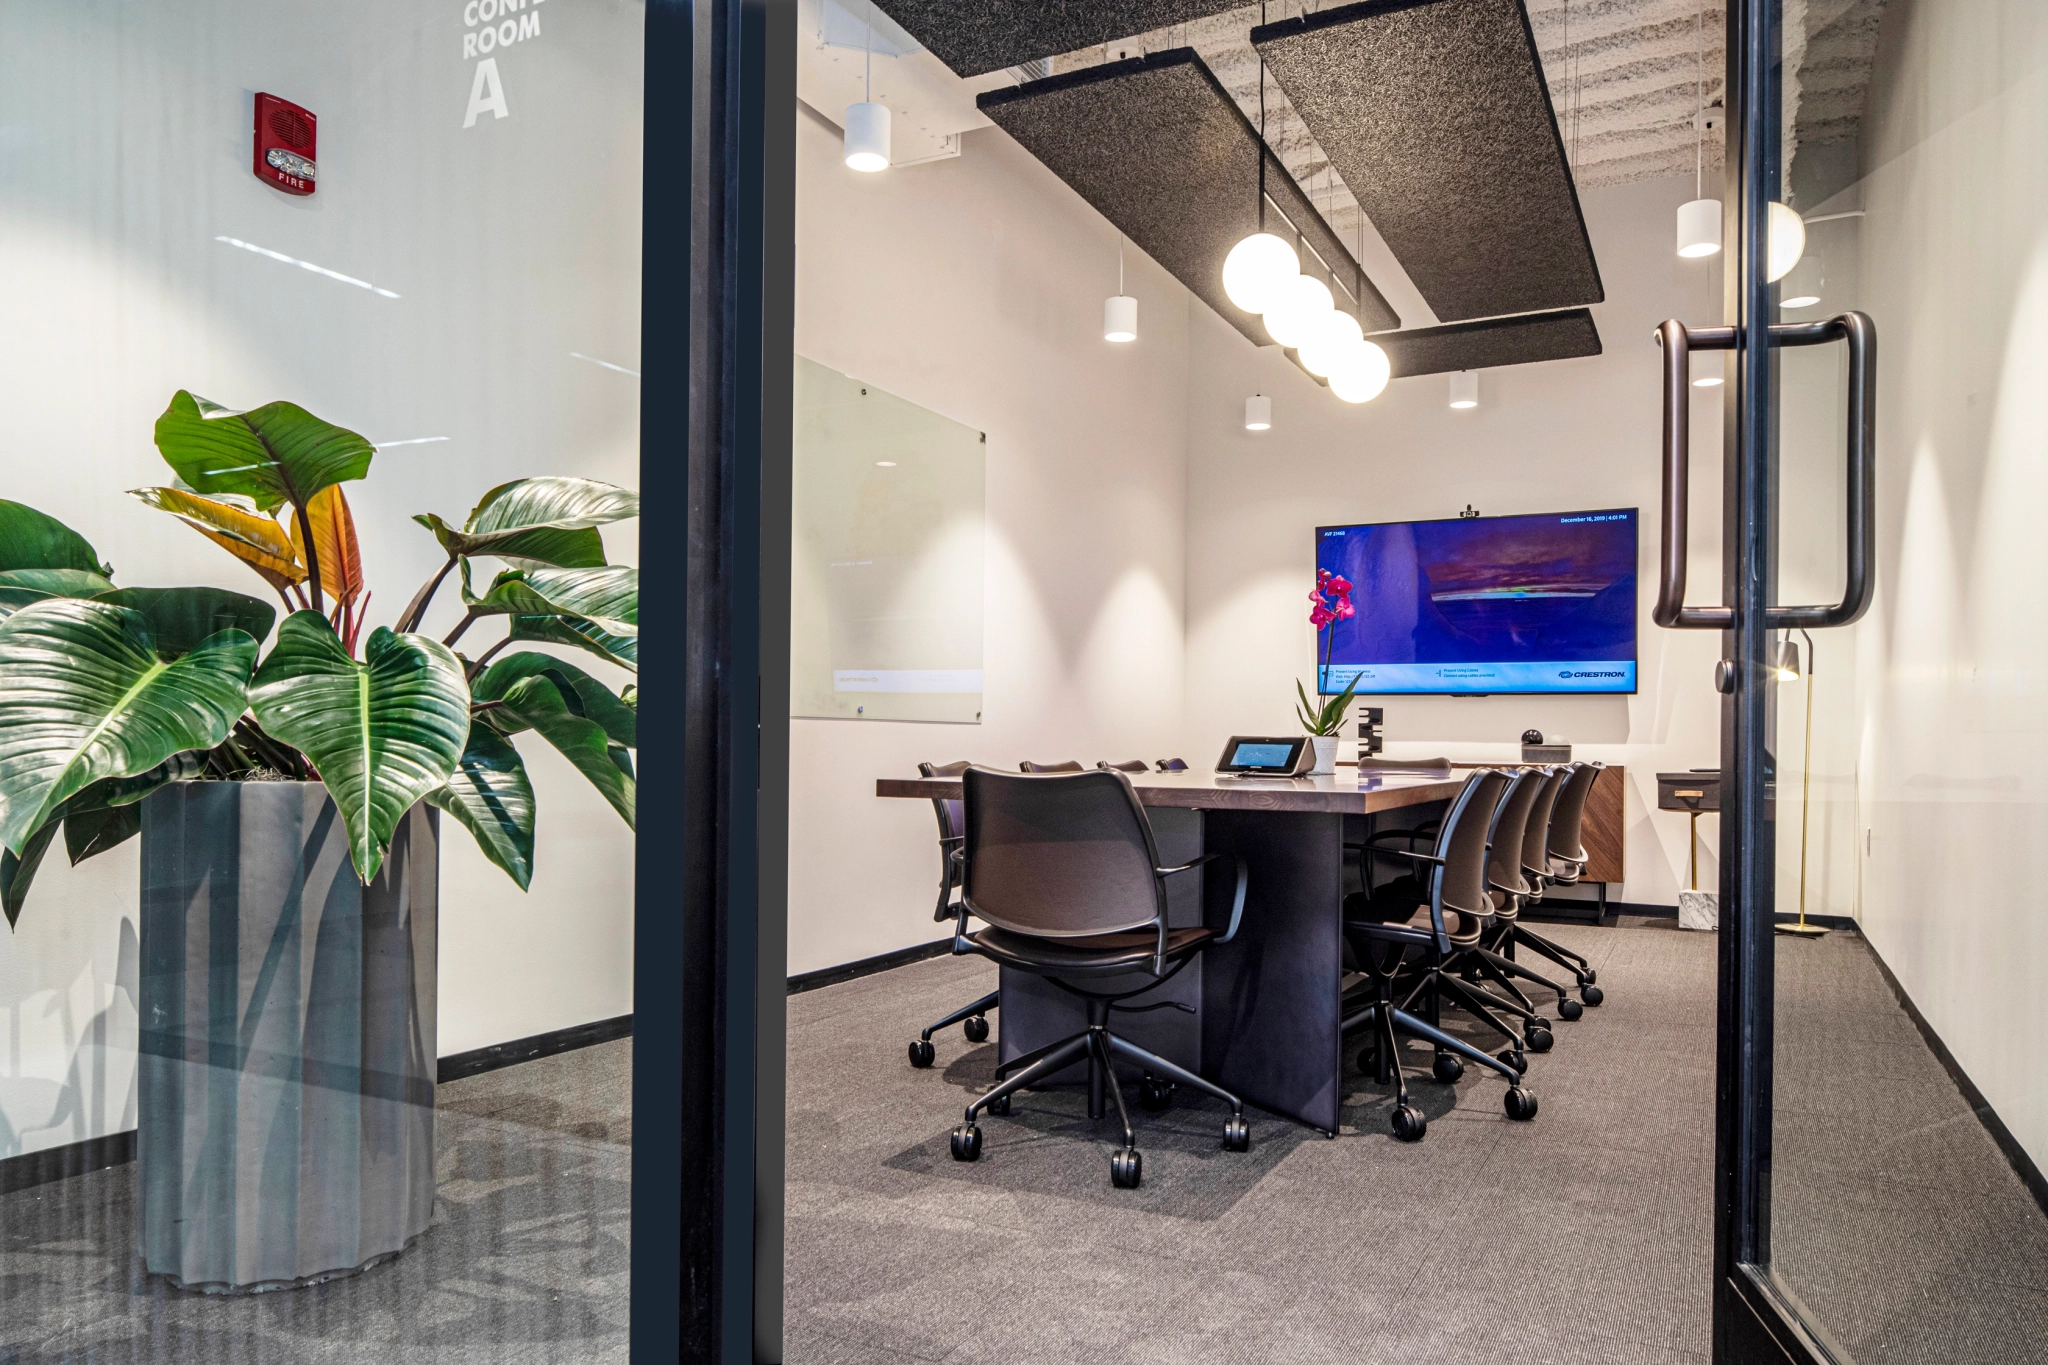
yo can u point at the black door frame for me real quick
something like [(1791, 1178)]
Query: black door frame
[(711, 899), (1755, 1321)]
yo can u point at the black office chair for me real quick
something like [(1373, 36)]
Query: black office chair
[(1069, 766), (1129, 765), (973, 1019), (1449, 885), (1564, 860), (1509, 888), (1064, 871)]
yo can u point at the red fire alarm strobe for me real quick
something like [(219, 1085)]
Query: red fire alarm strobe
[(285, 144)]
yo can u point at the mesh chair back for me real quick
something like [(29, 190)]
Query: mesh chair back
[(1129, 765), (1072, 765), (1567, 821), (1461, 843), (1510, 826), (1058, 856), (952, 814), (1536, 841)]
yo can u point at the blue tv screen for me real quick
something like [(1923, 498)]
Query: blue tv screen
[(1484, 604)]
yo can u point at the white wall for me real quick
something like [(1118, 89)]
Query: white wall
[(1950, 730), (1552, 437), (974, 287), (124, 152)]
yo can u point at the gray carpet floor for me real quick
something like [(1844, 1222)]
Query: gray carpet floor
[(526, 1260), (1895, 1218), (1582, 1236)]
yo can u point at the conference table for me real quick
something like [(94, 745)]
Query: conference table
[(1262, 1015)]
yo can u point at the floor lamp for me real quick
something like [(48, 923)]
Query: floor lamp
[(1788, 669)]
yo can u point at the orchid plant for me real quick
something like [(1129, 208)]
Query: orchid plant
[(107, 693), (1329, 603)]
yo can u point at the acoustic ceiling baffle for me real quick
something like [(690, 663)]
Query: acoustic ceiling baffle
[(988, 35), (1438, 118), (1158, 147), (1493, 343)]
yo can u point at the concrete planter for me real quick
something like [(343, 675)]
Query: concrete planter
[(286, 1083)]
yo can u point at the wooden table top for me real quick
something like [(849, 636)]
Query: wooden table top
[(1340, 794)]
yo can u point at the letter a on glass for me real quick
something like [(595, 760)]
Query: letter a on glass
[(486, 95)]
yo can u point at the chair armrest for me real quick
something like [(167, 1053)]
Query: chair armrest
[(1237, 897)]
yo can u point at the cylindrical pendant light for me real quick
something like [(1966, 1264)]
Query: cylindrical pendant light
[(1699, 220), (1120, 310), (1465, 389), (867, 136), (1258, 413), (1699, 227), (1804, 285), (867, 123)]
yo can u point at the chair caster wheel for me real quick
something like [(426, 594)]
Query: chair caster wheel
[(1155, 1094), (1570, 1009), (922, 1053), (976, 1029), (1409, 1124), (967, 1142), (1447, 1068), (1237, 1134), (1517, 1059), (1541, 1039), (999, 1106), (1592, 995), (1126, 1169), (1520, 1104)]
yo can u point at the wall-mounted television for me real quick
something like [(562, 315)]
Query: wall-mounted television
[(1478, 605)]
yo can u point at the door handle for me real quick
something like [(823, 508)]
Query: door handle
[(1679, 342)]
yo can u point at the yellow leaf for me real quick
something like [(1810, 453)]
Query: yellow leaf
[(334, 541), (251, 537)]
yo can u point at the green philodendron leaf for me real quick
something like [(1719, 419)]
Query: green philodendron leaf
[(585, 695), (623, 650), (84, 696), (89, 833), (537, 702), (544, 521), (16, 873), (183, 617), (58, 582), (35, 540), (491, 796), (274, 454), (609, 597), (383, 732)]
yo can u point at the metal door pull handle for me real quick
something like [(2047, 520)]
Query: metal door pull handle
[(1679, 342)]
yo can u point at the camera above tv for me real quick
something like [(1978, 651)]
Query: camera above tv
[(1477, 605)]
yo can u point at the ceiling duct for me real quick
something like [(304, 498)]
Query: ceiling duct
[(976, 38), (1162, 152), (1492, 344), (1437, 117)]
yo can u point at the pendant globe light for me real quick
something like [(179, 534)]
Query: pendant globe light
[(1699, 220), (1787, 232), (1259, 266), (867, 123), (1120, 310), (1363, 375), (1325, 351), (1300, 307)]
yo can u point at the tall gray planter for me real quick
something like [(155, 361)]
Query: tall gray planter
[(287, 1038)]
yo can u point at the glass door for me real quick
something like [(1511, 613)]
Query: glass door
[(1882, 1119)]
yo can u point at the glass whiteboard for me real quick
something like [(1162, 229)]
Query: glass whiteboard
[(886, 601)]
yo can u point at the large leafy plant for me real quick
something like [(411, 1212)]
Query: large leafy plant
[(107, 693)]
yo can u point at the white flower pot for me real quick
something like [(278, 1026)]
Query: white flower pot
[(1326, 754)]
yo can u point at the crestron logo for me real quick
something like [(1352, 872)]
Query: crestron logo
[(1568, 673)]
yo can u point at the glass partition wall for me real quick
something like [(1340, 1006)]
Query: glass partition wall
[(317, 677), (1897, 1131)]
